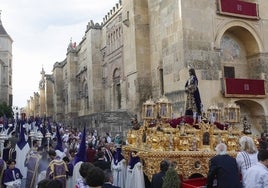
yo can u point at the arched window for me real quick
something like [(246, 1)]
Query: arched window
[(117, 88)]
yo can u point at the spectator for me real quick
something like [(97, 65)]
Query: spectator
[(101, 163), (72, 153), (223, 168), (257, 175), (157, 179), (247, 157), (108, 138), (90, 153), (81, 182), (42, 183), (108, 179), (12, 175), (54, 184), (8, 151), (95, 177), (108, 156), (263, 144)]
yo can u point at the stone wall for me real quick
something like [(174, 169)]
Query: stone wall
[(114, 122)]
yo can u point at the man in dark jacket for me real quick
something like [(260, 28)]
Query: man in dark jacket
[(223, 170), (101, 163), (157, 179), (108, 179)]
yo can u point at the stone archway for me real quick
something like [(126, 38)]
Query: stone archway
[(242, 30), (240, 50)]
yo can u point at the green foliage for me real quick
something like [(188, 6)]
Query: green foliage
[(6, 110), (171, 179)]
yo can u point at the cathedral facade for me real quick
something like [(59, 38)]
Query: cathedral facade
[(144, 48), (5, 67)]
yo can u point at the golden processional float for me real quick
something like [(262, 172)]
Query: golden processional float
[(180, 140)]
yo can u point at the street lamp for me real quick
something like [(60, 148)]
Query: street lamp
[(39, 137), (48, 136), (32, 135), (3, 137)]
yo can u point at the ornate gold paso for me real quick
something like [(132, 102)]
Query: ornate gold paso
[(191, 150), (189, 146)]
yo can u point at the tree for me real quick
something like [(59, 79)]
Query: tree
[(6, 110)]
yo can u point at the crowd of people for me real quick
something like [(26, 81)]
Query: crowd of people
[(74, 158), (31, 162), (248, 169)]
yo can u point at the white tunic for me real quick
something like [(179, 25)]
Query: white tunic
[(135, 177), (244, 161), (256, 176), (76, 173), (119, 173), (20, 158)]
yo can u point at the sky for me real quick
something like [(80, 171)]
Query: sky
[(41, 31)]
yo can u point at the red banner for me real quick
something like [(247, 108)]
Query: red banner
[(244, 88), (239, 8)]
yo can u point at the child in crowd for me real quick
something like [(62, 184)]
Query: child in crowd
[(12, 175)]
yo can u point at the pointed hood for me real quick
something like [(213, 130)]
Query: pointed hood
[(21, 142), (59, 140), (118, 155), (81, 154)]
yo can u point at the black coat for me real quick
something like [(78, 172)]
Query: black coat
[(108, 185), (102, 164), (157, 180), (224, 169)]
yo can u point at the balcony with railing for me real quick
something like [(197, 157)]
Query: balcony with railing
[(238, 8), (243, 88)]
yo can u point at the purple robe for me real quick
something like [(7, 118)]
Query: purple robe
[(8, 175), (2, 168), (32, 165), (57, 169), (70, 167)]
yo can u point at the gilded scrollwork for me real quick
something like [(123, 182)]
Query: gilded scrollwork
[(188, 146)]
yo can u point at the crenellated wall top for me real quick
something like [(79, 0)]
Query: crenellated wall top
[(112, 12)]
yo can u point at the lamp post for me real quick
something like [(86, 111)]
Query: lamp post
[(32, 135), (48, 136), (3, 137), (39, 137)]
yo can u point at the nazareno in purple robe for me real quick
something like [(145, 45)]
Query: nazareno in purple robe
[(8, 175), (57, 169), (32, 165), (2, 168)]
